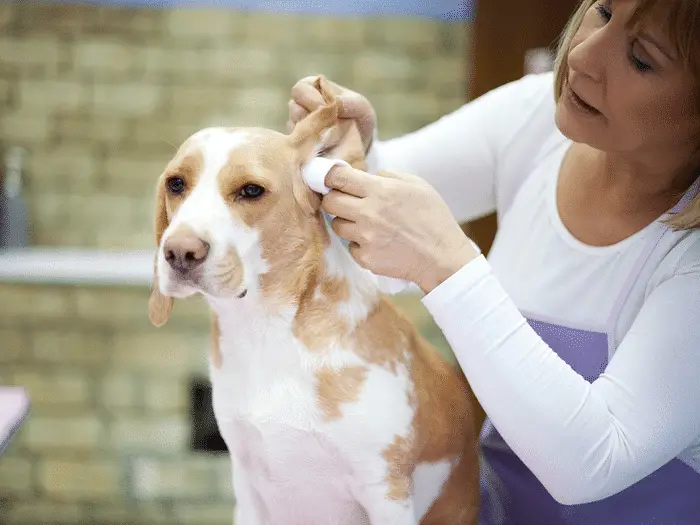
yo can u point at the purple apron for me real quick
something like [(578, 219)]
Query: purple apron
[(512, 495)]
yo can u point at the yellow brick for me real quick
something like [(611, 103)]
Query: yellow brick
[(162, 134), (78, 480), (185, 23), (125, 20), (85, 129), (122, 239), (119, 391), (383, 66), (23, 302), (407, 32), (13, 346), (41, 512), (64, 167), (33, 51), (127, 99), (113, 306), (7, 14), (169, 353), (157, 62), (259, 104), (326, 32), (238, 62), (48, 212), (5, 89), (273, 30), (52, 95), (135, 176), (223, 477), (53, 18), (208, 514), (163, 396), (25, 126), (183, 478), (112, 515), (15, 476), (103, 55), (200, 97), (79, 433), (68, 347), (165, 435), (55, 389)]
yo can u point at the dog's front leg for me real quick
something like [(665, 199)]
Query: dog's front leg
[(248, 509), (385, 493)]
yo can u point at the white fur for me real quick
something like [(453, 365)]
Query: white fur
[(290, 466)]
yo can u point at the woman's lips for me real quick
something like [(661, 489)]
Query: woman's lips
[(581, 104)]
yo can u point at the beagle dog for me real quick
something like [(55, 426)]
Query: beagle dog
[(334, 409)]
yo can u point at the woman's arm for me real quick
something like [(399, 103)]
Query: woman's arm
[(459, 154), (583, 441)]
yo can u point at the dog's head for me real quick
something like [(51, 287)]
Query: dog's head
[(234, 217)]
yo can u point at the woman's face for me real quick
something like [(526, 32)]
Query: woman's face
[(627, 92)]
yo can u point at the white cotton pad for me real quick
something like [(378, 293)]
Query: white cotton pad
[(314, 174), (315, 171)]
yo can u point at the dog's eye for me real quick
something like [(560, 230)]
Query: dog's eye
[(176, 185), (251, 191)]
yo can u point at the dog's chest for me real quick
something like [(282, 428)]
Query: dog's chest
[(274, 429)]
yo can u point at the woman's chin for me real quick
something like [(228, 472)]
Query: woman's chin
[(575, 128)]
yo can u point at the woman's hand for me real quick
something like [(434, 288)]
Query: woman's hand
[(306, 98), (398, 226)]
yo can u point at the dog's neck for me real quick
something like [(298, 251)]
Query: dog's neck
[(333, 286)]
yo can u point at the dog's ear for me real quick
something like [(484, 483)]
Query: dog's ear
[(314, 134), (322, 133), (159, 305), (310, 138)]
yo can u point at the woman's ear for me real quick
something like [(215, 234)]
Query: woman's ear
[(159, 305)]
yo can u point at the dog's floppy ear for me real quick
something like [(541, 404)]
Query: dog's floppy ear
[(322, 133), (159, 305), (313, 135)]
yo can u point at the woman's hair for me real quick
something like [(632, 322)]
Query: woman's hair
[(683, 26)]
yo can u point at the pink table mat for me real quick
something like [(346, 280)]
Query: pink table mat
[(14, 407)]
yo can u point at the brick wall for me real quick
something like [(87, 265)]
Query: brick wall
[(108, 438), (100, 97)]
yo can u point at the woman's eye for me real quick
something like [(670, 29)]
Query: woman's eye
[(604, 11), (176, 185), (639, 64), (251, 191)]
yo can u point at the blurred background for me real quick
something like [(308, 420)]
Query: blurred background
[(94, 98)]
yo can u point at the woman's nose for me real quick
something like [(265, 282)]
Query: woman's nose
[(588, 55)]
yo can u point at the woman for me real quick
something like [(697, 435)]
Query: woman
[(581, 334)]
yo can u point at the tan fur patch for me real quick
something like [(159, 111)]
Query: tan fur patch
[(216, 355), (336, 387), (317, 323), (447, 421), (400, 458), (380, 338)]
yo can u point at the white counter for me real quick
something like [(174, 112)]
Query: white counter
[(84, 266)]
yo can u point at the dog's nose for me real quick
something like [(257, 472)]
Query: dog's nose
[(185, 251)]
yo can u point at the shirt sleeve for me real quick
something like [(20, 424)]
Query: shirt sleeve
[(584, 441), (458, 154)]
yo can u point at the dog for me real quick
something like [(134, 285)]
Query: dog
[(334, 409)]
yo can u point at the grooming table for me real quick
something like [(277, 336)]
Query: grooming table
[(14, 407)]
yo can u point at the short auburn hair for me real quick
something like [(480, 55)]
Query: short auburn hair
[(682, 19)]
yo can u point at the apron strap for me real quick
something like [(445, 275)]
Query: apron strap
[(651, 247)]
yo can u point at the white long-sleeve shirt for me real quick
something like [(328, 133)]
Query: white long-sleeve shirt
[(584, 441)]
